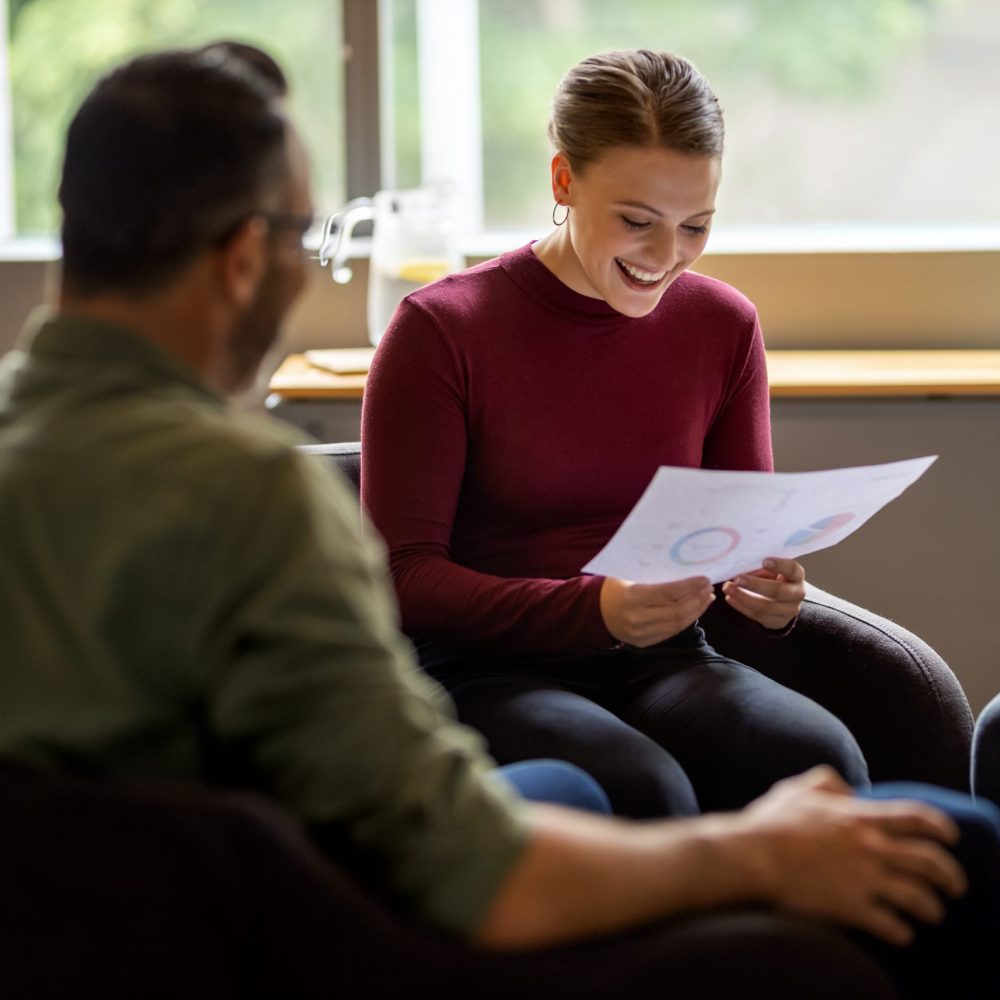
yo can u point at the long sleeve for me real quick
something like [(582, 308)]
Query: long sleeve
[(415, 445), (740, 436), (315, 696)]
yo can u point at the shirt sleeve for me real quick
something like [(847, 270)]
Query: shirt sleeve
[(740, 436), (415, 448), (314, 695)]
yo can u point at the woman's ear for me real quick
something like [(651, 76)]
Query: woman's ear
[(561, 178), (243, 261)]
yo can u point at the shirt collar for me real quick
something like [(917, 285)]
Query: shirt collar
[(81, 338)]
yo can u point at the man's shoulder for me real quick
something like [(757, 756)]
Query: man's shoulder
[(173, 442), (226, 451)]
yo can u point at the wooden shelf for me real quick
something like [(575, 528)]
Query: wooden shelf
[(791, 373), (296, 378), (884, 373)]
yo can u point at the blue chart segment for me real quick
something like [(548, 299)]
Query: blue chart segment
[(816, 530), (704, 546)]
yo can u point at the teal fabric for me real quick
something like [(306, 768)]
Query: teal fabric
[(186, 595)]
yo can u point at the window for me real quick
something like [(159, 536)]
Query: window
[(873, 115), (855, 120), (57, 48)]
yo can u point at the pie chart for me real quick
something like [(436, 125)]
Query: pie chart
[(704, 546), (818, 529)]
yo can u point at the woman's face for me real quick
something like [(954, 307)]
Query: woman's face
[(639, 218)]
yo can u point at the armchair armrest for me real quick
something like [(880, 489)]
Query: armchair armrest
[(898, 697)]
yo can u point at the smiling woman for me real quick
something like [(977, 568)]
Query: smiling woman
[(545, 388)]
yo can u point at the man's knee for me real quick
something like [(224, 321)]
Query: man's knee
[(557, 782)]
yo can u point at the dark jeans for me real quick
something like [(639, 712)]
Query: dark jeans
[(667, 731), (957, 958)]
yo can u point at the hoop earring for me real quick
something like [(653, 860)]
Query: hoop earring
[(555, 208)]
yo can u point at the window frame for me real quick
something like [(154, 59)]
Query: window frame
[(6, 135), (814, 288)]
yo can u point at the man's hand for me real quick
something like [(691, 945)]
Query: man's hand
[(643, 614), (770, 596), (875, 865)]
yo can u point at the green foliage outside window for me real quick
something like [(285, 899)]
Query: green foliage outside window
[(58, 48), (801, 82), (827, 53)]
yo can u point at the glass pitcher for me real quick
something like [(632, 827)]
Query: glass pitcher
[(413, 244)]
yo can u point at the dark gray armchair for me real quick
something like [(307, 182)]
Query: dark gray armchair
[(986, 753), (905, 707)]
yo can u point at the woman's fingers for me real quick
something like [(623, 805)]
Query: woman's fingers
[(642, 614), (771, 596)]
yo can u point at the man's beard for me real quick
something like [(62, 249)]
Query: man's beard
[(256, 330)]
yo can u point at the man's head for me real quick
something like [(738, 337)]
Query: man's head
[(184, 157)]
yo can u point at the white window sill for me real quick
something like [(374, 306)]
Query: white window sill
[(765, 240), (733, 240), (30, 248)]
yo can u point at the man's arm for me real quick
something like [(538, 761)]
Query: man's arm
[(313, 695), (808, 846)]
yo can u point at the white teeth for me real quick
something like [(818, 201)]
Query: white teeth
[(646, 276)]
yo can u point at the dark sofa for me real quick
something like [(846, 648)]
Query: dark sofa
[(118, 889)]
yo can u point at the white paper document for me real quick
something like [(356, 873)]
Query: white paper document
[(700, 522)]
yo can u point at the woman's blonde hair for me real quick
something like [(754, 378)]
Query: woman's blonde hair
[(635, 97)]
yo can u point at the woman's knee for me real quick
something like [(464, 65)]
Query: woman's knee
[(640, 778), (843, 752), (644, 781), (819, 737), (737, 731)]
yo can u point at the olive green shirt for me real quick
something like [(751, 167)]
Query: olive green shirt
[(185, 595)]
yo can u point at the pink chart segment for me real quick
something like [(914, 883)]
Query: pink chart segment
[(818, 529)]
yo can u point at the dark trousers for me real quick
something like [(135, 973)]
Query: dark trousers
[(667, 731)]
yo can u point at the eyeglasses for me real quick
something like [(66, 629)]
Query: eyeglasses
[(302, 225)]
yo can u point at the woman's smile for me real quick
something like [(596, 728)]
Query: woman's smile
[(639, 277)]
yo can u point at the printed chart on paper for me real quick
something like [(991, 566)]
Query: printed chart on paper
[(702, 522)]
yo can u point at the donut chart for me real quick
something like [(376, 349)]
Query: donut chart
[(816, 530), (704, 546)]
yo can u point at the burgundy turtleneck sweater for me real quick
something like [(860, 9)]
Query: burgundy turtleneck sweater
[(510, 424)]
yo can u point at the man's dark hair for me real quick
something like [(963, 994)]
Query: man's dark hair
[(166, 155)]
